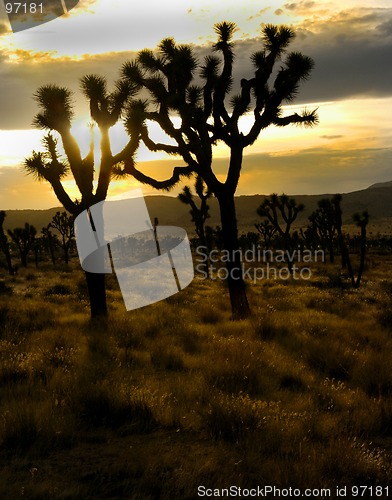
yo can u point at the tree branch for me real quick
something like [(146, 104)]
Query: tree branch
[(178, 172)]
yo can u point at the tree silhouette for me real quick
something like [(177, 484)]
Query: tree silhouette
[(56, 113), (361, 220), (64, 224), (4, 246), (323, 222), (267, 231), (199, 214), (49, 241), (23, 237), (197, 117), (281, 211)]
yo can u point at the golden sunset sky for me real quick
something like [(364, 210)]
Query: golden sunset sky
[(351, 85)]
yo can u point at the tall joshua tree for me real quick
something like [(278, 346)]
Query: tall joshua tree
[(197, 117), (56, 113)]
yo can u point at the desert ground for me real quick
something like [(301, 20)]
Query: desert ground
[(167, 398)]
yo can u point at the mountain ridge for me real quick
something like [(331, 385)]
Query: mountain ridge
[(377, 199)]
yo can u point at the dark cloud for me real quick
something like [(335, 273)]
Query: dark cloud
[(299, 6), (330, 137), (351, 51), (385, 28), (20, 81)]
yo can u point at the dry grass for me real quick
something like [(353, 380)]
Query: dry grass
[(176, 394)]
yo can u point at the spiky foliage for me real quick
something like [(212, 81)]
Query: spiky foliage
[(56, 108), (47, 165), (56, 113), (205, 119)]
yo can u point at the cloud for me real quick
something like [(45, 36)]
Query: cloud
[(3, 28), (259, 13), (314, 171), (330, 137), (299, 6)]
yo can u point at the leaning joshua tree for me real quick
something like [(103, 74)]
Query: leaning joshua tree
[(198, 116), (56, 112)]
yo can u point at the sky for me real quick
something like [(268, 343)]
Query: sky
[(351, 85)]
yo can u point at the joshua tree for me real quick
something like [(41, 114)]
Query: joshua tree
[(323, 222), (23, 237), (336, 202), (56, 112), (4, 247), (197, 117), (281, 211), (199, 214), (267, 231), (64, 224), (49, 241)]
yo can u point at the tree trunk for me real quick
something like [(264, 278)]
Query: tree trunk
[(6, 251), (97, 294), (239, 301), (363, 255), (23, 258), (51, 249), (203, 243)]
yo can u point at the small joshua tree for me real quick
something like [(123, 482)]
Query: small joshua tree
[(199, 213), (23, 237), (50, 241), (323, 223), (281, 211), (64, 224), (267, 231)]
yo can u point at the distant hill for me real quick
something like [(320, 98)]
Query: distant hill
[(381, 185), (171, 212)]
